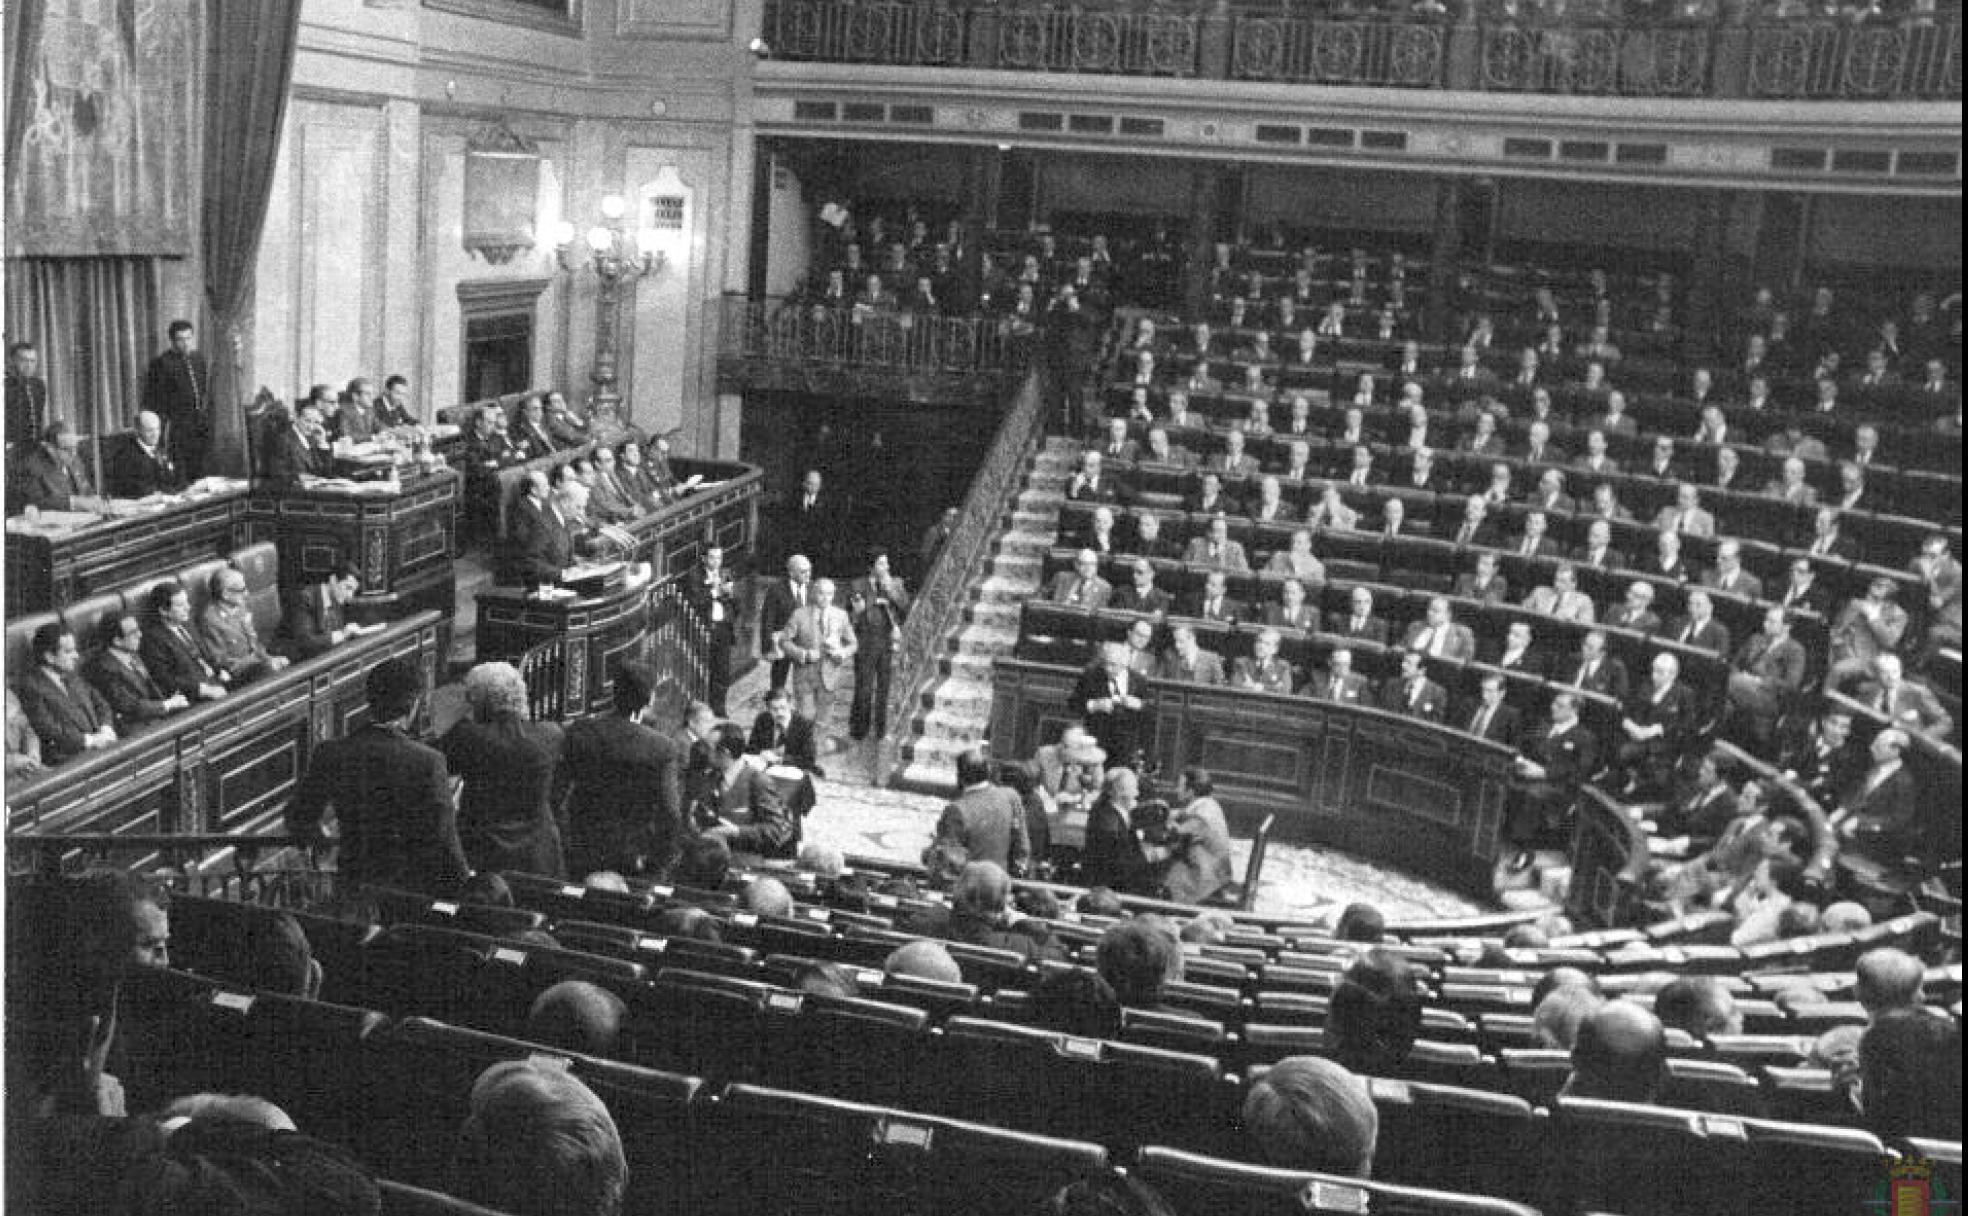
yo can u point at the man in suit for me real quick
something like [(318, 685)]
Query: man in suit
[(529, 431), (68, 715), (1292, 611), (986, 820), (1666, 560), (1161, 451), (228, 636), (1082, 586), (391, 795), (313, 618), (1141, 594), (392, 409), (821, 643), (742, 806), (1117, 448), (1215, 548), (355, 414), (611, 500), (1769, 672), (178, 389), (1561, 598), (1213, 602), (1870, 625), (1194, 856), (714, 596), (298, 449), (1339, 683), (1550, 494), (121, 676), (539, 544), (1594, 670), (1822, 759), (782, 736), (1687, 515), (1699, 628), (811, 522), (1729, 577), (1210, 498), (1148, 539), (1474, 528), (1188, 662), (1439, 636), (1598, 553), (782, 599), (567, 426), (1555, 762), (1596, 461), (1270, 507), (1412, 693), (1100, 536), (1905, 703), (1492, 718), (26, 395), (1790, 486), (1484, 583), (878, 604), (622, 777), (1658, 721), (1263, 670), (1358, 621), (48, 476), (173, 653), (1519, 653), (1880, 822), (1091, 482), (137, 465), (1331, 512), (1636, 611), (1535, 540), (1827, 539), (1801, 592), (1107, 696)]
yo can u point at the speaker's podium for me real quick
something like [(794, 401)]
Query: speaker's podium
[(568, 639)]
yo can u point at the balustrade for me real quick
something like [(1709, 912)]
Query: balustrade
[(1709, 53)]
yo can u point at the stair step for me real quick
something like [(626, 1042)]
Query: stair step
[(993, 612), (970, 666), (960, 728)]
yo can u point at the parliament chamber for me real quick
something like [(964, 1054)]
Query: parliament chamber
[(524, 516)]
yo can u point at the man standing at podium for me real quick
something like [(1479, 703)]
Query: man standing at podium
[(538, 543), (178, 389)]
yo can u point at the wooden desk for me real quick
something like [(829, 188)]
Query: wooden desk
[(222, 766), (403, 542), (592, 636), (1421, 797), (49, 570)]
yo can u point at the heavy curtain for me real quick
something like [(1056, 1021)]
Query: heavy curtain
[(95, 322), (249, 64)]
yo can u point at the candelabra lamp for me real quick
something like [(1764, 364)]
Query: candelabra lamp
[(620, 257)]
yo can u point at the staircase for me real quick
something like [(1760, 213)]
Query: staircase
[(956, 711)]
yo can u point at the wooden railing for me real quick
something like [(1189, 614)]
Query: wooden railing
[(945, 588), (1730, 51)]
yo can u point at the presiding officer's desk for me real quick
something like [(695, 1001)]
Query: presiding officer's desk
[(221, 766), (595, 634), (51, 564), (1388, 788), (400, 535)]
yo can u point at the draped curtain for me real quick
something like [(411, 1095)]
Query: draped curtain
[(249, 64), (94, 321), (23, 44)]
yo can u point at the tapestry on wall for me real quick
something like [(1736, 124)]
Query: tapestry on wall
[(109, 129)]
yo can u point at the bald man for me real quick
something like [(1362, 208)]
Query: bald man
[(137, 465)]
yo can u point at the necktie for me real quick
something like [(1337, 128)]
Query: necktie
[(191, 378), (1530, 547), (1213, 608), (1585, 673), (1681, 523), (1482, 722), (1414, 694), (1687, 632), (1359, 625), (1079, 591)]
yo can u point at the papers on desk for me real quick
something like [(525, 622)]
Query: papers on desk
[(342, 485), (46, 522), (552, 594)]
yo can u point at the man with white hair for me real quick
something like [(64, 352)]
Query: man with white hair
[(782, 599), (820, 641), (138, 465), (1108, 697), (1906, 704), (1082, 586), (1656, 726), (507, 762)]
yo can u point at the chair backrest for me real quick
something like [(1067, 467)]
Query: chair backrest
[(402, 1200), (260, 563), (1191, 1182)]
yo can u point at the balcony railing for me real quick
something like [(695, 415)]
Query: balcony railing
[(777, 330), (1730, 53)]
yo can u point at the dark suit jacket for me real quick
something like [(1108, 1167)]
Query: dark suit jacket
[(989, 824), (1228, 609), (175, 662), (1505, 725), (777, 610), (1712, 637), (179, 389), (1568, 758), (1127, 599), (38, 477), (353, 422), (392, 796), (1496, 591), (131, 472), (1887, 825), (701, 594), (532, 441), (538, 544), (288, 456), (1674, 711), (27, 408), (1340, 625), (307, 621), (1118, 731), (505, 814), (1608, 679), (624, 802), (1434, 702), (1531, 663), (130, 691), (1352, 692), (767, 825), (62, 714), (796, 744)]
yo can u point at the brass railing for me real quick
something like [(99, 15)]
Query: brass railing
[(946, 587), (1401, 54), (1725, 50)]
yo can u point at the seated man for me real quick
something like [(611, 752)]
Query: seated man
[(1263, 671), (1292, 611), (1194, 854), (1636, 611), (1358, 622), (1562, 599), (609, 498), (1519, 653), (50, 475), (1082, 586), (138, 465), (529, 431), (1148, 539), (1769, 674), (1216, 548), (780, 736), (743, 808), (176, 658), (538, 1142), (1879, 823), (1699, 628), (1659, 718), (121, 676), (68, 715), (1621, 1055), (1188, 662), (314, 618), (1439, 636), (1907, 704), (1138, 958), (299, 449), (1483, 583), (1310, 1113), (1141, 594), (1213, 602), (1412, 693)]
